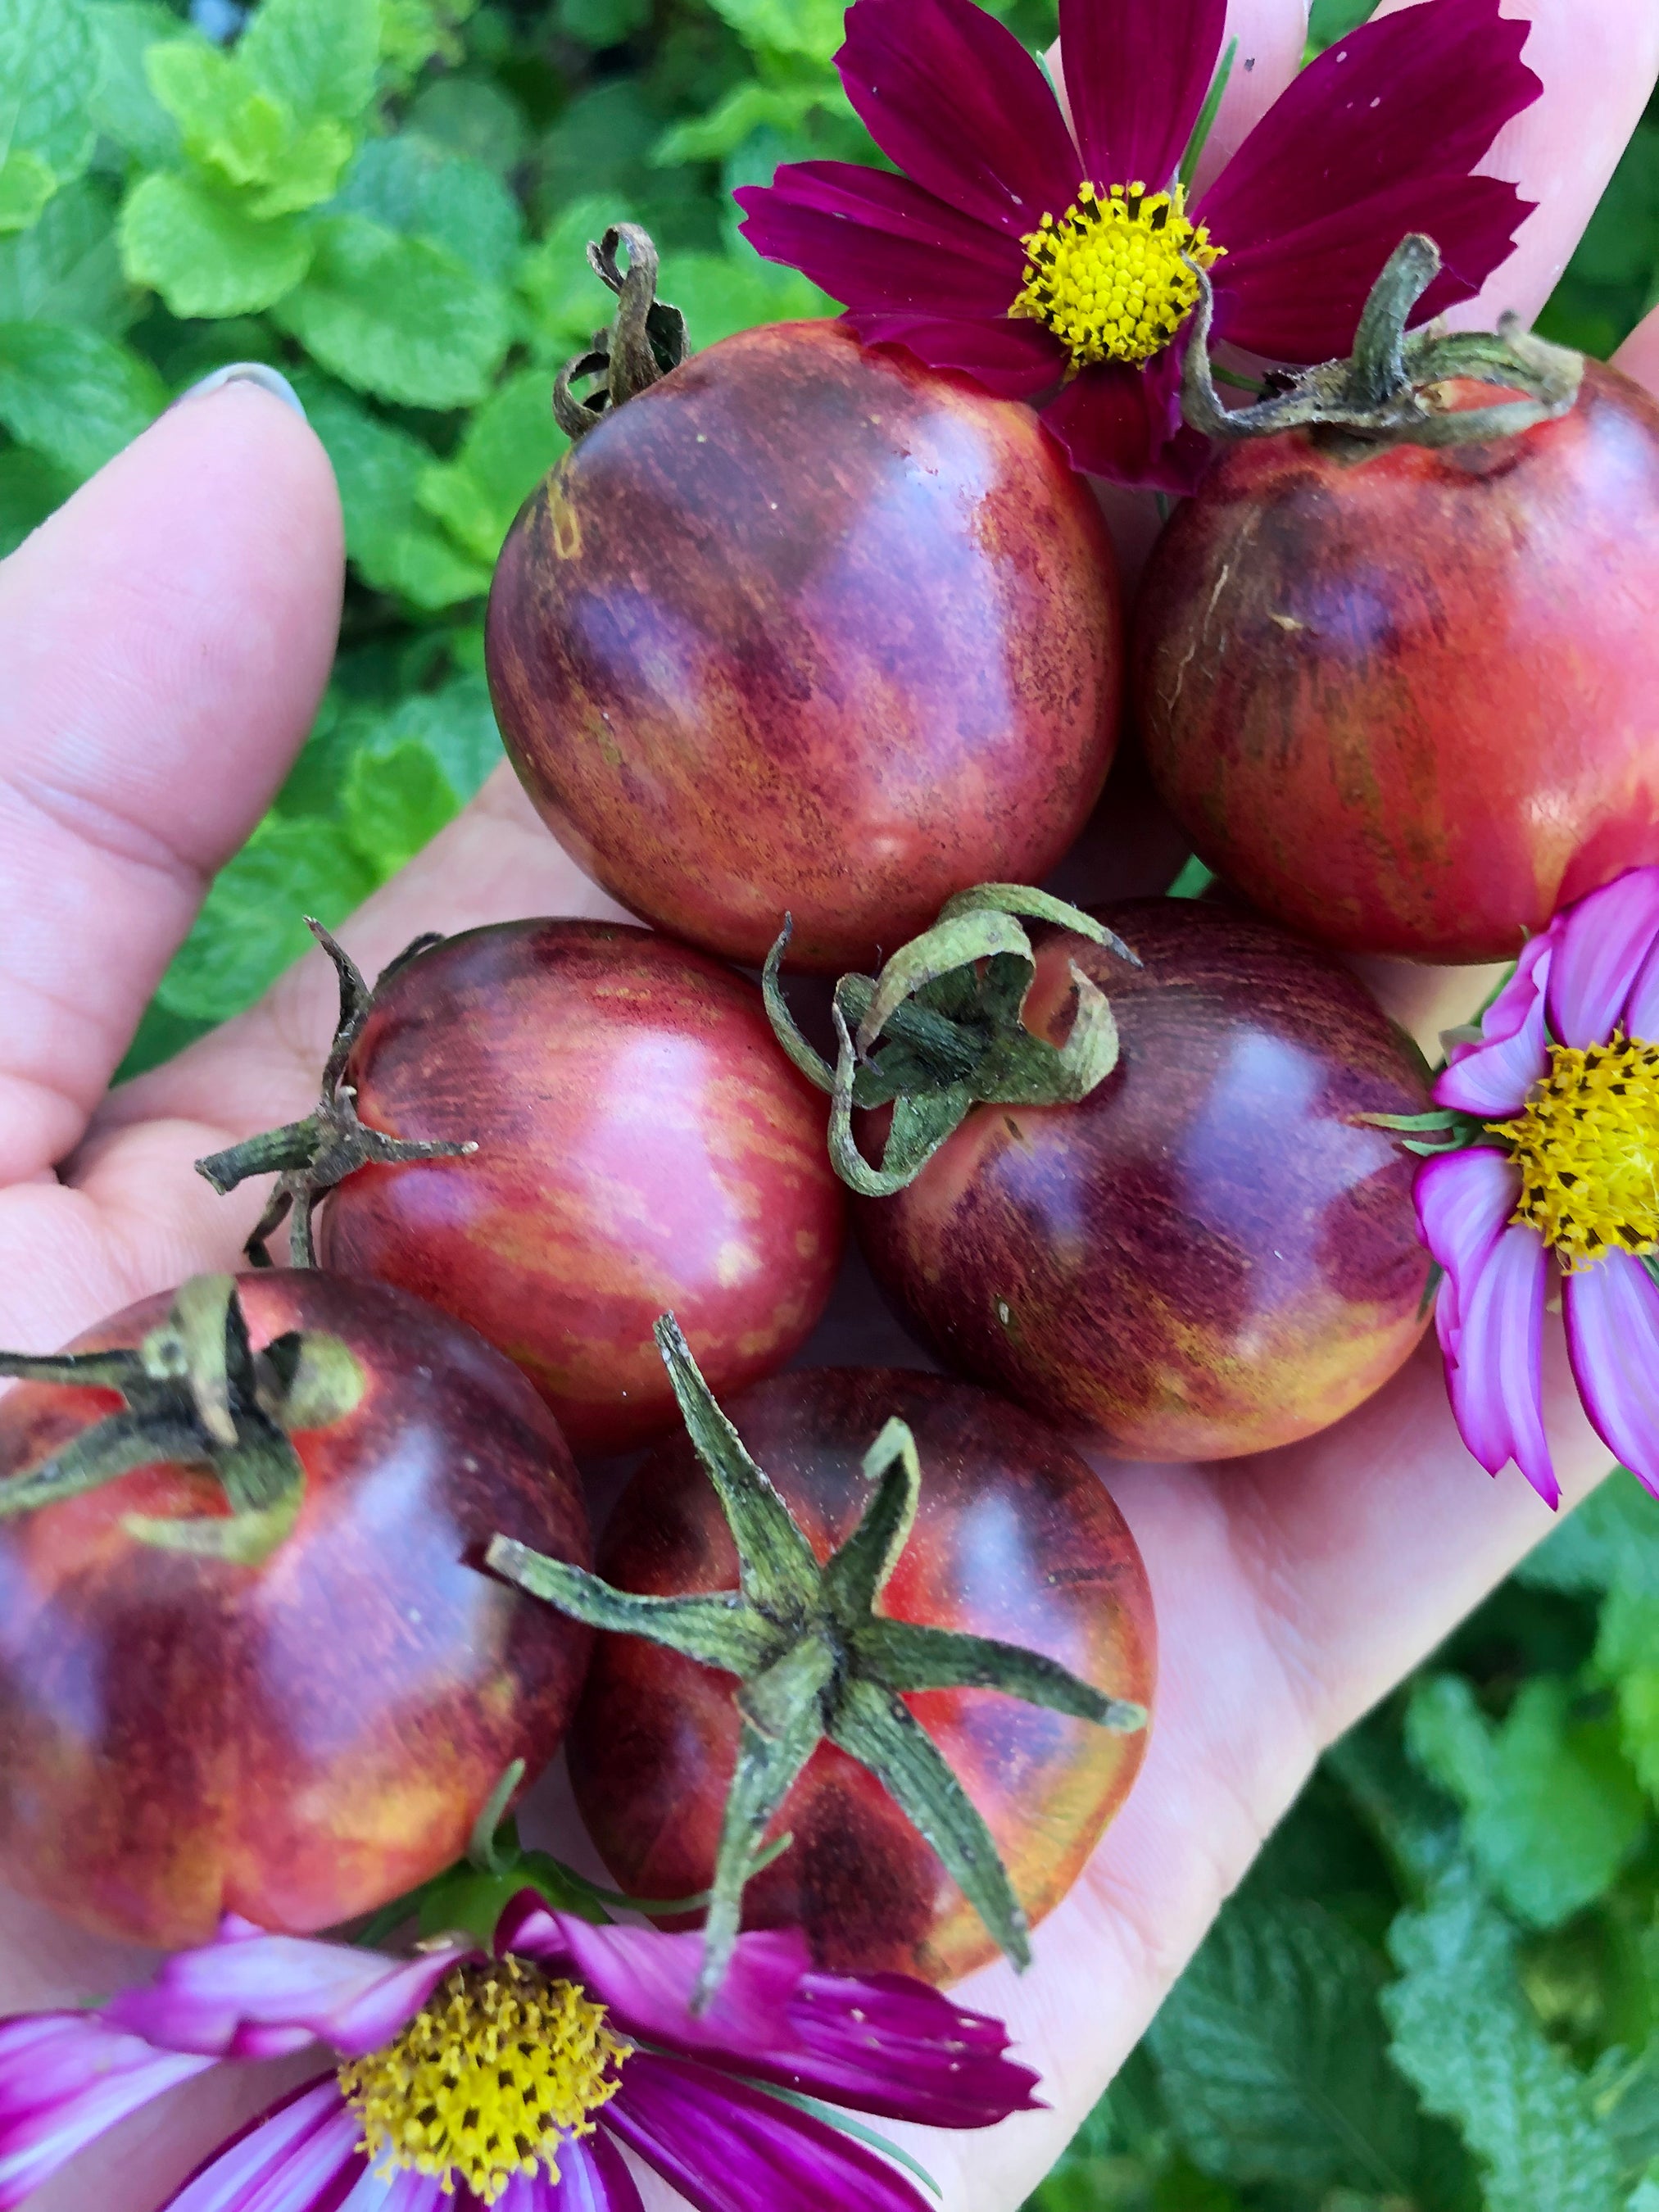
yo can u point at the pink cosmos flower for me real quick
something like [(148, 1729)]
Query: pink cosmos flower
[(1048, 264), (467, 2080), (1554, 1115)]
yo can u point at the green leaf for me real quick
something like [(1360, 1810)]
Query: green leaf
[(720, 293), (319, 56), (416, 32), (248, 138), (812, 29), (565, 301), (474, 118), (396, 547), (123, 102), (1627, 1655), (601, 23), (412, 184), (1613, 1535), (510, 444), (205, 255), (1553, 1811), (395, 801), (1273, 2058), (251, 924), (1464, 2033), (77, 398), (30, 490), (66, 269), (398, 316), (46, 64), (747, 108)]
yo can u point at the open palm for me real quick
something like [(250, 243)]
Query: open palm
[(163, 643)]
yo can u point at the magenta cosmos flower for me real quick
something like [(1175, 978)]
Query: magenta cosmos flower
[(1048, 264), (465, 2080), (1555, 1113)]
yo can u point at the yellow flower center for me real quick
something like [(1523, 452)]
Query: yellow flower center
[(1108, 278), (1587, 1145), (500, 2066)]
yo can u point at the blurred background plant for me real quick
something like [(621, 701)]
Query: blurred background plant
[(1438, 1991)]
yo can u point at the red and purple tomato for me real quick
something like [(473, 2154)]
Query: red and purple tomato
[(302, 1741), (1407, 701), (812, 629), (1215, 1251), (643, 1148), (1015, 1538)]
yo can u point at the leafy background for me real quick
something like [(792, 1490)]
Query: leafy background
[(1439, 1987)]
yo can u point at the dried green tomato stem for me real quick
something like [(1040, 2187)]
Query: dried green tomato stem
[(647, 340)]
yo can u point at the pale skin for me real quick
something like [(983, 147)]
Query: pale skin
[(163, 643)]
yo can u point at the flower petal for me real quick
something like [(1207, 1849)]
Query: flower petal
[(301, 2156), (1602, 943), (1490, 1314), (64, 2078), (956, 102), (1124, 424), (898, 2048), (594, 2177), (1612, 1338), (1016, 360), (253, 1995), (1136, 76), (874, 240), (727, 2148), (1492, 1079)]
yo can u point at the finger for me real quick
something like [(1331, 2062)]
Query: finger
[(164, 640), (1639, 357), (1598, 65)]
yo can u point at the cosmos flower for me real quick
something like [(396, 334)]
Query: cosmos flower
[(466, 2080), (1553, 1119), (1049, 265)]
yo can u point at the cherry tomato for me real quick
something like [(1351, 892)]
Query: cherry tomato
[(808, 627), (301, 1741), (1016, 1538), (1406, 700), (1213, 1253), (642, 1145)]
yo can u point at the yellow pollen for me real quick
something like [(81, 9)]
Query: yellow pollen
[(1587, 1145), (1109, 279), (499, 2069)]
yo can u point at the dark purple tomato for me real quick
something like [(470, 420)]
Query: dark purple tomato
[(1407, 701), (808, 627), (1213, 1254), (301, 1741), (1015, 1539), (643, 1148)]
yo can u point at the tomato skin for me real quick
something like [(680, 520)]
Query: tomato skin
[(300, 1741), (1209, 1256), (808, 627), (643, 1148), (1015, 1538), (1410, 704)]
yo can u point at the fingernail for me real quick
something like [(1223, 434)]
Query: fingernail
[(246, 371)]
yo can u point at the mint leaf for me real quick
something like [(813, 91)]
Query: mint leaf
[(46, 62), (205, 255), (564, 301), (602, 23), (720, 293), (455, 725), (1465, 2034), (416, 32), (123, 102), (510, 444), (74, 397), (397, 316), (395, 547), (1554, 1811), (248, 137), (394, 802), (318, 56), (474, 117), (414, 185), (745, 109), (66, 269), (812, 29), (31, 488), (251, 924), (1627, 1654), (1272, 2055), (1613, 1533)]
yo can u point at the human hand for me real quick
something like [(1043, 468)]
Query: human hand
[(162, 645)]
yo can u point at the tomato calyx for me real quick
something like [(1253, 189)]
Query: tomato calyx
[(941, 1030), (817, 1660), (312, 1156), (1391, 390), (197, 1394), (645, 342)]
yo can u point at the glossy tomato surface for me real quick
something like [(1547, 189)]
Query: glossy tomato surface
[(1015, 1538), (1408, 701), (643, 1148), (809, 628), (302, 1741), (1212, 1254)]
